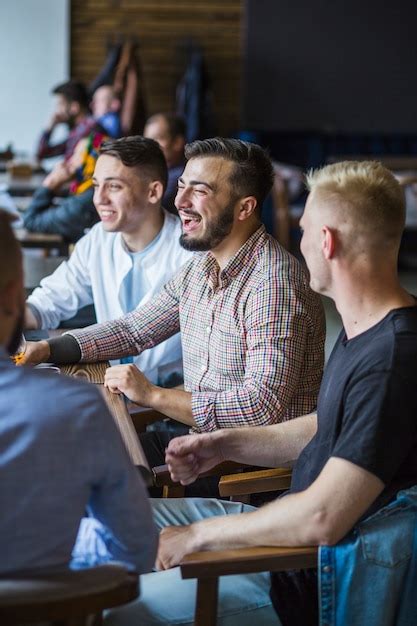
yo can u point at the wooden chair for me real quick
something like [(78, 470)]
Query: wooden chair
[(206, 567), (171, 489), (236, 480), (64, 597), (142, 417)]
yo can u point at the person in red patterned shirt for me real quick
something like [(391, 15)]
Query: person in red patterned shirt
[(71, 108)]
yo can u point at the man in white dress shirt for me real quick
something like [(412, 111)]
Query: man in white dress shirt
[(126, 258)]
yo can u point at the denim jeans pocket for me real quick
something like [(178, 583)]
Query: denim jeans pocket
[(387, 539)]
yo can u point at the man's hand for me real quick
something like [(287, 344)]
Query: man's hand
[(55, 119), (59, 175), (129, 380), (189, 456), (36, 352), (174, 543)]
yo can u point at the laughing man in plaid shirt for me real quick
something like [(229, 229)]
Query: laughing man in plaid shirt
[(252, 330)]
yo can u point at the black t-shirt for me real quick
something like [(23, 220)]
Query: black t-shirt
[(367, 407)]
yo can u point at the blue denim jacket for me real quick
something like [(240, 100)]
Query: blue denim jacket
[(370, 578)]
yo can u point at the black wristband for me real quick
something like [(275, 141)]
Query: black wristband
[(64, 349)]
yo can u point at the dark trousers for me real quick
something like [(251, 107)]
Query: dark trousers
[(294, 595), (154, 444)]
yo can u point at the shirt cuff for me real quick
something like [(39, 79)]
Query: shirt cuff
[(64, 349)]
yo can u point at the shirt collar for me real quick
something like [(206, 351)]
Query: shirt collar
[(220, 280)]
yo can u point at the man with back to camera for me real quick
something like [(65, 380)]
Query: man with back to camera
[(46, 422), (168, 129), (71, 108), (126, 258), (252, 330), (353, 457)]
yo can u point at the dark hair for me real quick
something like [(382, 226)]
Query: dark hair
[(253, 174), (176, 123), (139, 151), (73, 91)]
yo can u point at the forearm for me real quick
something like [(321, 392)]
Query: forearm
[(268, 446), (131, 334), (321, 515), (174, 403), (279, 523), (32, 321)]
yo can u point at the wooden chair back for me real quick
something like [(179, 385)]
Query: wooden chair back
[(64, 596)]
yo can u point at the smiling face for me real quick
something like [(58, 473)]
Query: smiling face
[(121, 196), (206, 203)]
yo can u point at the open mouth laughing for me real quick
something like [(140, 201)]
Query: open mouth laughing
[(190, 221)]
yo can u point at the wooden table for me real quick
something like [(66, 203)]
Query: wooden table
[(94, 373), (45, 241), (21, 186)]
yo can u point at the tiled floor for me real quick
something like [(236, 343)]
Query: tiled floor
[(333, 321)]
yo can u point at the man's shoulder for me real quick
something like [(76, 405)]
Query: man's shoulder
[(50, 397), (274, 263), (389, 346), (59, 385)]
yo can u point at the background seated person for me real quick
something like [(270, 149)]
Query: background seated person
[(126, 258), (60, 454), (252, 330), (352, 457), (71, 108), (71, 216), (105, 106), (168, 129)]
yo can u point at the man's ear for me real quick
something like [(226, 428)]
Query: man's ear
[(155, 191), (247, 207), (328, 242)]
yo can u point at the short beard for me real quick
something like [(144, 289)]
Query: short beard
[(15, 339), (216, 232)]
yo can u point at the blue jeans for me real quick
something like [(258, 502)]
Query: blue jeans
[(165, 598)]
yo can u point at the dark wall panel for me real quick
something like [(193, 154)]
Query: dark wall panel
[(331, 65)]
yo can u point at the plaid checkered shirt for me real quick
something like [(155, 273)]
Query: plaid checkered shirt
[(252, 335)]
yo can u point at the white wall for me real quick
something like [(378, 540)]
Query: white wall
[(34, 57)]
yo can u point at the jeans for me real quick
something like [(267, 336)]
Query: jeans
[(165, 598)]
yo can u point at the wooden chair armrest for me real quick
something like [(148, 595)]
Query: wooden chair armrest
[(141, 416), (208, 566), (163, 477), (260, 481), (58, 594), (246, 560)]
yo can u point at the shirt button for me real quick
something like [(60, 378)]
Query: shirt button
[(208, 329), (327, 569), (203, 368)]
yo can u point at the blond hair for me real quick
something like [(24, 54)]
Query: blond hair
[(10, 255), (370, 194)]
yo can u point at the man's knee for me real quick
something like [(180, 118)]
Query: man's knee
[(184, 511)]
